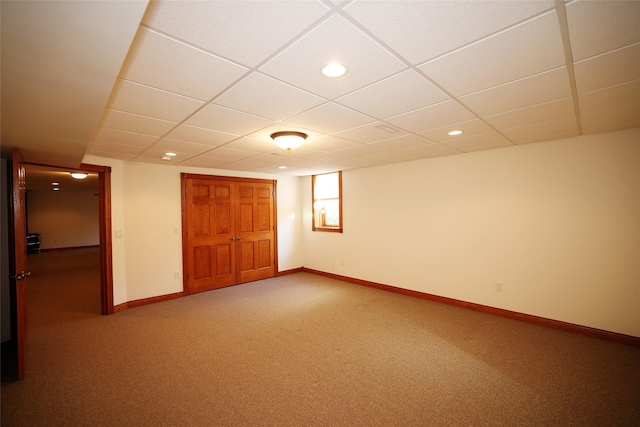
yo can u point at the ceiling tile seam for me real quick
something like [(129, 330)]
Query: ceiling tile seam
[(493, 115), (416, 68), (568, 54), (608, 52), (192, 46), (488, 36)]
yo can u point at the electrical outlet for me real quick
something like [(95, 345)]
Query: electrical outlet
[(498, 286)]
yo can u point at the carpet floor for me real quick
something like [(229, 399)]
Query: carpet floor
[(302, 350)]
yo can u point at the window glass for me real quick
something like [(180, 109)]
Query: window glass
[(327, 202)]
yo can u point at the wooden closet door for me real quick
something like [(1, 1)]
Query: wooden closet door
[(229, 231), (255, 231), (210, 233)]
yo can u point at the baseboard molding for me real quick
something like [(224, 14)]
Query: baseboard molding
[(292, 271), (70, 248), (146, 301), (549, 323)]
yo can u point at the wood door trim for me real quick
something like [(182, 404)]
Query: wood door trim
[(104, 220), (226, 178)]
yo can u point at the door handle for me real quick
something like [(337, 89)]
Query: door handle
[(20, 276), (235, 238)]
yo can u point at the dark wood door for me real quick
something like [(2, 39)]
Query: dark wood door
[(19, 265), (228, 231)]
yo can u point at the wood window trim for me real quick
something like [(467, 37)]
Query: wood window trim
[(340, 228)]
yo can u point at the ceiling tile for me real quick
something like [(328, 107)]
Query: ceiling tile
[(330, 143), (521, 51), (250, 144), (430, 150), (119, 155), (433, 117), (469, 128), (334, 40), (113, 119), (113, 147), (176, 146), (266, 97), (371, 132), (402, 142), (423, 30), (610, 69), (548, 136), (240, 31), (120, 137), (482, 142), (143, 100), (597, 27), (203, 162), (560, 124), (610, 97), (534, 114), (229, 154), (226, 120), (623, 117), (538, 89), (200, 135), (329, 118), (403, 92), (164, 63)]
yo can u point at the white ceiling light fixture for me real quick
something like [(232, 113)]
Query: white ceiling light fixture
[(170, 154), (79, 175), (288, 140), (334, 69), (455, 132)]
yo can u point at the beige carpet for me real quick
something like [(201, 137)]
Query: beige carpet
[(303, 350)]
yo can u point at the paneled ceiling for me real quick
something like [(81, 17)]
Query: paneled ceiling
[(212, 80)]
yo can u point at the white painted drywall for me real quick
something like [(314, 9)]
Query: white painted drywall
[(147, 225), (556, 223), (63, 219)]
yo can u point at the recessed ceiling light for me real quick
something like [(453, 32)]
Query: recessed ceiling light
[(56, 188), (170, 154), (282, 167), (79, 175), (334, 69), (55, 183), (455, 132)]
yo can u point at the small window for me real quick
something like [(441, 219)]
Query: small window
[(326, 192)]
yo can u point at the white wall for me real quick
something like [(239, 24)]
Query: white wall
[(64, 219), (557, 223), (146, 212)]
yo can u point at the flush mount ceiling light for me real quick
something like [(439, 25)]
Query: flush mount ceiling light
[(289, 140), (170, 154), (79, 175), (455, 132), (334, 69)]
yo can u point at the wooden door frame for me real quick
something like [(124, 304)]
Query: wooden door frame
[(183, 191), (18, 261), (104, 219)]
